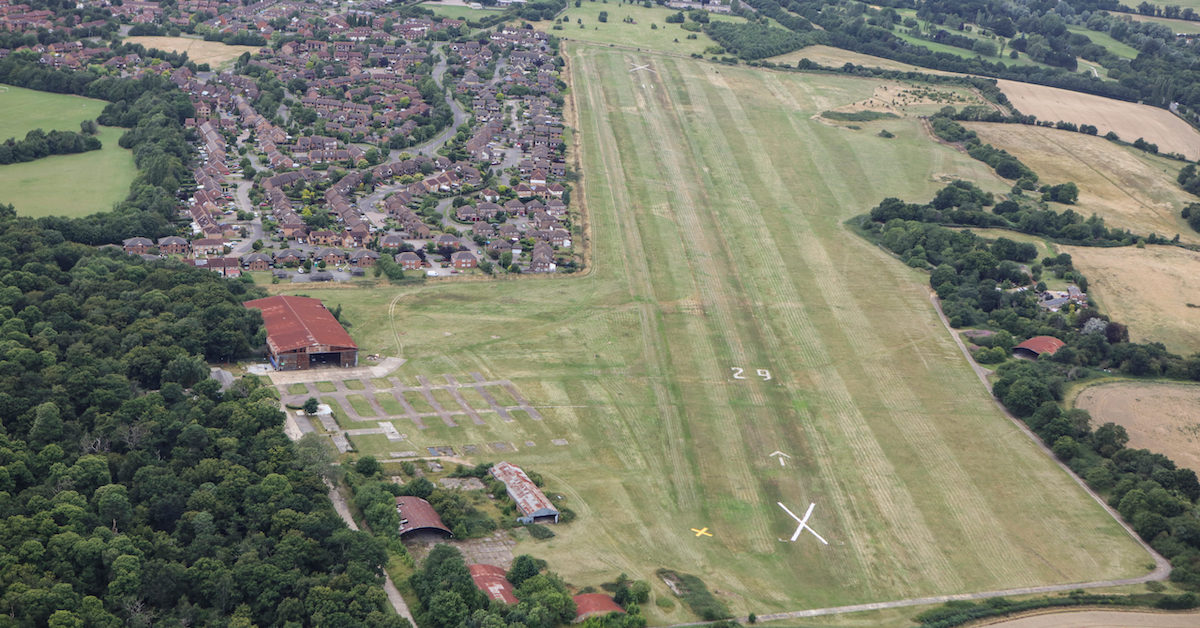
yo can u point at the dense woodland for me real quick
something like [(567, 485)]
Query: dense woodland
[(132, 490), (991, 284)]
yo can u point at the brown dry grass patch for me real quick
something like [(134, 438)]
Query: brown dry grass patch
[(213, 53), (1124, 186), (1128, 120), (1148, 289), (1159, 417)]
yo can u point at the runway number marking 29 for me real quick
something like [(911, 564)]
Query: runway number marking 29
[(738, 373)]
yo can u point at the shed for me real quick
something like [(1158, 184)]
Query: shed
[(1037, 346), (417, 515), (532, 503), (493, 581), (302, 333)]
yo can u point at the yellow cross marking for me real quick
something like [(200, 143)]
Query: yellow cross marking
[(701, 531)]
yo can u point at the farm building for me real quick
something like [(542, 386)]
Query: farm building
[(301, 333), (532, 503), (416, 515), (589, 604), (493, 581), (1038, 345)]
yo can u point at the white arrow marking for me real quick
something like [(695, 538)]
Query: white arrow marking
[(781, 456)]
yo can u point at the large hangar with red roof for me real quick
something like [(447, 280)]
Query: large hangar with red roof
[(302, 333)]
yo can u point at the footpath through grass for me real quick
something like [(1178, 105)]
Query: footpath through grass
[(716, 204)]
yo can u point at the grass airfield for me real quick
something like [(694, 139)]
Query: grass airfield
[(716, 202)]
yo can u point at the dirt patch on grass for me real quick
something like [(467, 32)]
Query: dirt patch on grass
[(1158, 417), (1126, 119), (1101, 619), (897, 98), (213, 53), (1153, 290), (1126, 187)]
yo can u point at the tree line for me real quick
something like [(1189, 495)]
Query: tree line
[(38, 144)]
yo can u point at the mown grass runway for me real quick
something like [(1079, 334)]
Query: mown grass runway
[(716, 203)]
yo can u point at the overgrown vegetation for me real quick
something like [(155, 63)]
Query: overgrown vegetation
[(448, 597), (858, 116), (695, 595), (754, 41)]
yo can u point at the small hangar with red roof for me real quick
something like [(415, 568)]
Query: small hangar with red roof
[(417, 515), (302, 333), (531, 502)]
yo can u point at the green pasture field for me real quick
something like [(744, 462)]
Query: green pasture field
[(637, 35), (354, 384), (297, 389), (1125, 51), (716, 207), (325, 387), (94, 180), (458, 12)]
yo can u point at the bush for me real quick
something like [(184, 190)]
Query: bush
[(539, 531)]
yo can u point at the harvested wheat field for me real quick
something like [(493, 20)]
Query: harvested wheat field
[(1124, 186), (213, 53), (1154, 290), (1158, 417), (1103, 619), (1128, 120)]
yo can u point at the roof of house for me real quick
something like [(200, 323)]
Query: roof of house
[(493, 581), (530, 499), (297, 322), (588, 604), (417, 514), (1042, 344)]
